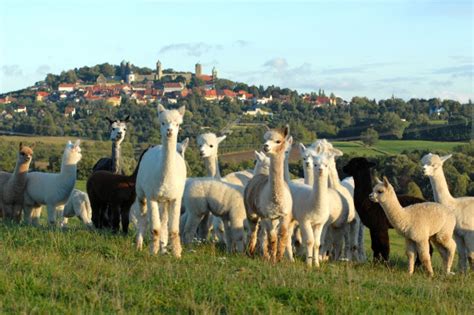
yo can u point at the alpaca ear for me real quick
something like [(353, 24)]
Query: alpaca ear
[(184, 144), (336, 152), (77, 143), (160, 108), (302, 149), (109, 120), (33, 145), (385, 181), (377, 180), (290, 141), (69, 143), (286, 131), (21, 146), (220, 139), (446, 157), (257, 155), (182, 110), (126, 119)]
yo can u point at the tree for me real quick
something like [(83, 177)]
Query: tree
[(369, 137), (391, 124)]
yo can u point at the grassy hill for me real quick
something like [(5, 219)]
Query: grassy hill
[(79, 271)]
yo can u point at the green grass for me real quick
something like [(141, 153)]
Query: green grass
[(78, 271)]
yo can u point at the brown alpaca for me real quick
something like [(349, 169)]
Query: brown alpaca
[(268, 197), (12, 185), (111, 196)]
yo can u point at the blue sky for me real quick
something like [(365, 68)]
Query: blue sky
[(367, 48)]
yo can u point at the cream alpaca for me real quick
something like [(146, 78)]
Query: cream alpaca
[(78, 205), (49, 189), (269, 198), (160, 185), (419, 224), (12, 185), (463, 208)]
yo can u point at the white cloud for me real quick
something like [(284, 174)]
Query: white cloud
[(12, 71), (191, 49)]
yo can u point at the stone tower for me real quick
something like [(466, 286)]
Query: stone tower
[(198, 70), (159, 70), (214, 73)]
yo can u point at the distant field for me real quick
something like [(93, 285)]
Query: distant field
[(48, 140)]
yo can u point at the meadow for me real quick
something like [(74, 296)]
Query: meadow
[(79, 271)]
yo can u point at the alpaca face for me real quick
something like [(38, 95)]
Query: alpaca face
[(275, 141), (170, 120), (182, 146), (306, 155), (119, 128), (72, 154), (321, 164), (208, 143), (25, 154), (432, 163), (262, 163), (381, 191), (357, 165)]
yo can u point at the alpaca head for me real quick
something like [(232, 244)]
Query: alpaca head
[(208, 143), (119, 129), (321, 163), (321, 145), (262, 164), (182, 146), (381, 191), (433, 162), (276, 141), (306, 155), (25, 154), (72, 153), (170, 120), (357, 165)]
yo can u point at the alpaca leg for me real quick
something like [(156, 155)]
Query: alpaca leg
[(125, 217), (190, 227), (229, 244), (469, 241), (155, 225), (114, 210), (326, 242), (411, 254), (141, 222), (164, 212), (423, 249), (447, 250), (253, 231), (354, 241), (272, 233), (360, 241), (307, 235), (283, 236), (289, 243), (17, 208), (204, 225), (338, 238), (175, 211), (27, 212), (238, 237), (462, 252), (182, 223), (318, 235), (35, 216), (8, 212), (380, 246)]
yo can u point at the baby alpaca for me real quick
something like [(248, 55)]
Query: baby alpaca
[(12, 185), (463, 208), (419, 224), (78, 205), (49, 189)]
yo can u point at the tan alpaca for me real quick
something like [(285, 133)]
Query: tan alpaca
[(419, 224), (463, 208), (12, 185), (268, 197)]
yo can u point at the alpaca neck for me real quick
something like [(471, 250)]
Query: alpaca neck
[(440, 188), (363, 188), (212, 166), (116, 157), (308, 175), (18, 178), (21, 168), (287, 168), (394, 211), (334, 180), (320, 190), (276, 176), (168, 158)]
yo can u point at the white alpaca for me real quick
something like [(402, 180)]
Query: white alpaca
[(12, 185), (49, 189), (419, 224), (269, 198), (223, 200), (160, 185), (78, 205), (463, 208), (312, 208)]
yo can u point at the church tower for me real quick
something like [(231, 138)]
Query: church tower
[(159, 70), (198, 70), (214, 73)]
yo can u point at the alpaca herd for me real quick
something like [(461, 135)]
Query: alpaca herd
[(258, 212)]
